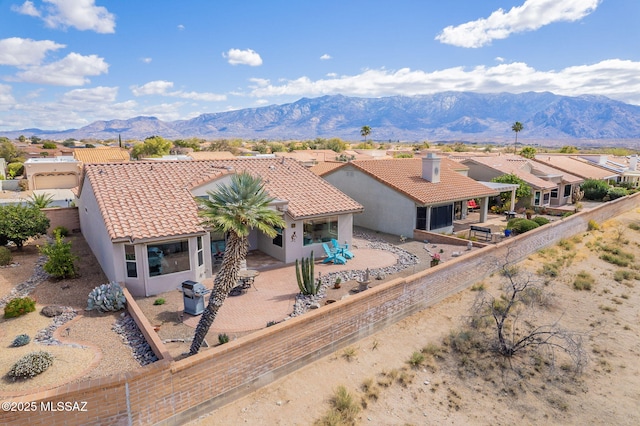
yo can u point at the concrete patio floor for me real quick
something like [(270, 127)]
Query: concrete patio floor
[(273, 294)]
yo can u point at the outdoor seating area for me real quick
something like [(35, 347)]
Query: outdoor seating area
[(337, 253)]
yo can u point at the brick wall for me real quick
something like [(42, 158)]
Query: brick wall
[(65, 216), (174, 392)]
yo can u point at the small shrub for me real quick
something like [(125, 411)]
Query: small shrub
[(416, 360), (541, 220), (159, 301), (583, 281), (634, 226), (615, 193), (5, 256), (19, 306), (520, 225), (477, 287), (21, 340), (344, 409), (223, 338), (623, 274), (107, 298), (60, 230), (349, 353), (593, 225), (594, 189), (61, 261), (616, 260), (31, 365), (549, 270)]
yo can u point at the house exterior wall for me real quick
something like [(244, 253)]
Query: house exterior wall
[(52, 173), (385, 210), (95, 232), (480, 172)]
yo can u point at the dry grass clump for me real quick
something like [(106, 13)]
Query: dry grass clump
[(584, 281)]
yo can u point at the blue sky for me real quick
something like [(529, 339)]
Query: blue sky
[(67, 63)]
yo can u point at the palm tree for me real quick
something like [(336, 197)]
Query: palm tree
[(365, 131), (41, 201), (517, 127), (234, 209)]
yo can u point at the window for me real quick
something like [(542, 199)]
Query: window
[(536, 198), (320, 230), (200, 252), (168, 258), (421, 218), (130, 259), (277, 240), (441, 216), (545, 199), (554, 193), (567, 190)]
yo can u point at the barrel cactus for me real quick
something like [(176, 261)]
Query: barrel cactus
[(107, 298)]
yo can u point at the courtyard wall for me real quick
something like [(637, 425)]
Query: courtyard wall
[(173, 392)]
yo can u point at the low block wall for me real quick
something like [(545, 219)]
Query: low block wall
[(435, 238), (63, 216), (174, 392)]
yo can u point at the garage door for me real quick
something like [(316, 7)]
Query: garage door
[(55, 181)]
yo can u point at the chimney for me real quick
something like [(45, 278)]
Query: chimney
[(633, 163), (431, 168)]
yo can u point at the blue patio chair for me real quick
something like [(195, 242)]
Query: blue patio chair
[(333, 256), (343, 249)]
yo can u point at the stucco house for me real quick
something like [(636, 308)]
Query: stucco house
[(141, 219), (52, 172), (403, 194), (578, 167), (550, 187)]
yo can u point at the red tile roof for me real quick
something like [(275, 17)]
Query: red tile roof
[(144, 200), (405, 176)]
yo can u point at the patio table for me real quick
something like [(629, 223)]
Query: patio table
[(247, 278)]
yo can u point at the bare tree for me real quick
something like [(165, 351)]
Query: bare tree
[(513, 321)]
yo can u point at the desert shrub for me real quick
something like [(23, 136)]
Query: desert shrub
[(19, 306), (223, 338), (60, 230), (623, 274), (21, 340), (540, 220), (31, 365), (594, 189), (614, 193), (159, 301), (520, 225), (593, 225), (416, 360), (107, 298), (350, 353), (5, 256), (616, 260), (61, 261), (634, 226), (344, 409), (583, 281)]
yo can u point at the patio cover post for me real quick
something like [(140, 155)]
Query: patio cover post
[(513, 200), (484, 207)]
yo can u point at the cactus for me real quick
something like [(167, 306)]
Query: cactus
[(107, 297), (304, 275), (21, 340)]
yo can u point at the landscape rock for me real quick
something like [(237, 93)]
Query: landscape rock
[(52, 311)]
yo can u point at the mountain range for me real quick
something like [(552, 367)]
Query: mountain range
[(447, 116)]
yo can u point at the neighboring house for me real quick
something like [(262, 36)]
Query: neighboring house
[(52, 172), (211, 155), (101, 155), (549, 186), (141, 220), (625, 167), (578, 167), (403, 194)]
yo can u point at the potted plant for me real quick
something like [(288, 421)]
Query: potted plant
[(435, 259)]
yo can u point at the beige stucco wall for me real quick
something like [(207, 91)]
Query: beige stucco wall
[(385, 210), (52, 174)]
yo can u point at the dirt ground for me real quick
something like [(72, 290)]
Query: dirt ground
[(441, 392)]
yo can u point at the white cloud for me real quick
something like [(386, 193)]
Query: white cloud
[(72, 70), (20, 52), (325, 57), (243, 57), (161, 87), (80, 14), (158, 87), (532, 15), (181, 27), (615, 78), (92, 95), (6, 98), (27, 8), (146, 60), (499, 59)]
